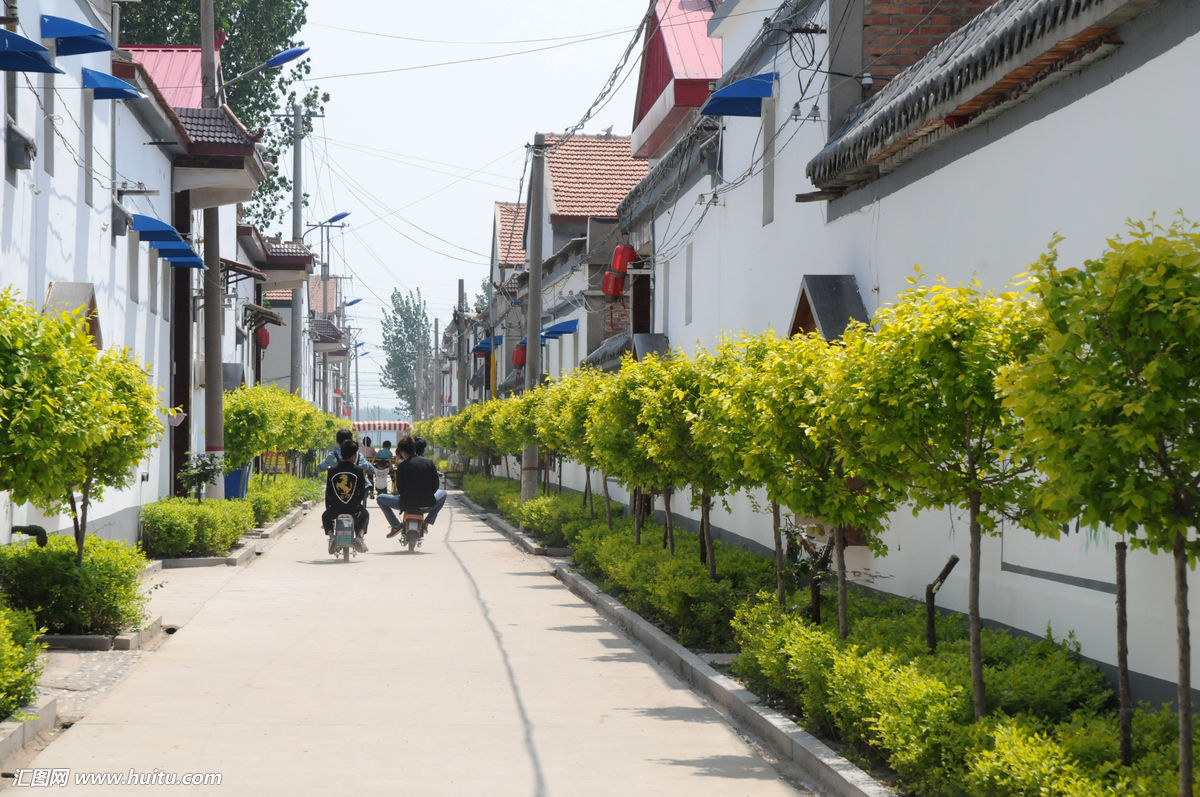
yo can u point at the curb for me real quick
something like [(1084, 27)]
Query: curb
[(15, 735), (248, 550), (520, 538), (132, 640), (829, 771)]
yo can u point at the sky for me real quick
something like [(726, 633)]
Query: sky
[(418, 149)]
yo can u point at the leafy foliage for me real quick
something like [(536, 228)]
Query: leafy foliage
[(407, 332), (176, 527), (20, 660), (257, 30)]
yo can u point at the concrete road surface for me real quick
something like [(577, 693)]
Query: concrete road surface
[(464, 668)]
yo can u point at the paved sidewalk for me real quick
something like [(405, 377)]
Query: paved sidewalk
[(464, 668)]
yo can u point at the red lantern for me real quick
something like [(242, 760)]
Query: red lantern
[(519, 355), (623, 255), (614, 283), (262, 337)]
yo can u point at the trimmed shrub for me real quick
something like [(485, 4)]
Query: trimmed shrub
[(178, 527), (20, 662), (544, 517), (105, 596)]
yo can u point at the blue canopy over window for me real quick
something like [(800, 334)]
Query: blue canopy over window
[(74, 38), (18, 54), (486, 345), (107, 87), (167, 240), (742, 97), (561, 328)]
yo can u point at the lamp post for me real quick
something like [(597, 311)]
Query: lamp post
[(214, 422)]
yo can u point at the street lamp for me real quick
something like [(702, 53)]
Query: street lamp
[(274, 62)]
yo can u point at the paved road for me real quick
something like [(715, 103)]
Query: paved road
[(464, 668)]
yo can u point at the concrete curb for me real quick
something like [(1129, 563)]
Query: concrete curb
[(829, 772), (131, 640), (520, 538), (15, 735)]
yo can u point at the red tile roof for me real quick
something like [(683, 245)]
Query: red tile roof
[(175, 70), (510, 233), (590, 175), (278, 296)]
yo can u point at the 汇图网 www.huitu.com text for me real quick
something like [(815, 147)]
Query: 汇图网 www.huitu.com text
[(35, 778)]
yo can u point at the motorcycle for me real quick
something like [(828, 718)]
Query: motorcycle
[(413, 529), (342, 543)]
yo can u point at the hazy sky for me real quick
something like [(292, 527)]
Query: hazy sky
[(418, 149)]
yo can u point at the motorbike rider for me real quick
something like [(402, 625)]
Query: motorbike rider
[(335, 455), (345, 494), (439, 496), (417, 481)]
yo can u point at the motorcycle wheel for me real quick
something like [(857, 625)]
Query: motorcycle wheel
[(412, 542), (346, 554)]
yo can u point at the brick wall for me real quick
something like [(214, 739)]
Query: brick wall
[(898, 34)]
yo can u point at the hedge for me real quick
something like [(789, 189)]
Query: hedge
[(104, 596), (180, 527), (20, 660)]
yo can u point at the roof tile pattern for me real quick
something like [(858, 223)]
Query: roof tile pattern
[(212, 126), (278, 248), (323, 331), (278, 296), (590, 175), (510, 233)]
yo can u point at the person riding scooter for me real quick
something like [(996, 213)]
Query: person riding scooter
[(417, 481)]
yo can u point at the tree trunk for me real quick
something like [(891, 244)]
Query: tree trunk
[(607, 500), (1124, 699), (669, 525), (706, 511), (975, 624), (780, 571), (636, 507), (814, 594), (587, 488), (839, 552), (1184, 695), (560, 476), (703, 531)]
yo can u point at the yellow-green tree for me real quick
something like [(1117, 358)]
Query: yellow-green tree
[(1111, 406), (921, 413)]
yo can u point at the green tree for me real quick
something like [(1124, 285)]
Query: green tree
[(407, 332), (256, 30), (921, 413), (1111, 408)]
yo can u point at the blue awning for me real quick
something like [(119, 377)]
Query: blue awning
[(542, 337), (74, 38), (167, 240), (18, 54), (561, 328), (742, 97), (487, 344), (107, 87)]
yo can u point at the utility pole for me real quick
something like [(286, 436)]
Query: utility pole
[(357, 394), (214, 420), (437, 369), (533, 307), (297, 322), (419, 388), (462, 346)]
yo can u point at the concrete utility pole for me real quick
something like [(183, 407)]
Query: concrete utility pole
[(214, 420), (419, 391), (297, 322), (462, 345), (533, 307)]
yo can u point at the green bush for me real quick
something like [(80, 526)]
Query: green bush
[(177, 527), (20, 660), (274, 497), (546, 516), (489, 492), (105, 596)]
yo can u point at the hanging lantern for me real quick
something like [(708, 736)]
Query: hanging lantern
[(518, 358), (337, 391), (623, 255), (614, 283), (262, 337)]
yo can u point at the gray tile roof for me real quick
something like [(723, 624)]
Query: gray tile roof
[(212, 126), (981, 67), (287, 249), (323, 331)]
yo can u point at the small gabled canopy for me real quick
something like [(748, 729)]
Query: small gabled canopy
[(561, 328), (74, 38), (167, 240), (742, 97), (107, 87), (18, 54)]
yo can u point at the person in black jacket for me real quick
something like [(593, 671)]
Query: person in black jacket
[(417, 481), (345, 494)]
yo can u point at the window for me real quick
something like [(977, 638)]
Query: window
[(167, 277), (664, 273), (152, 274), (768, 161), (48, 124), (687, 287), (134, 277), (88, 171)]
